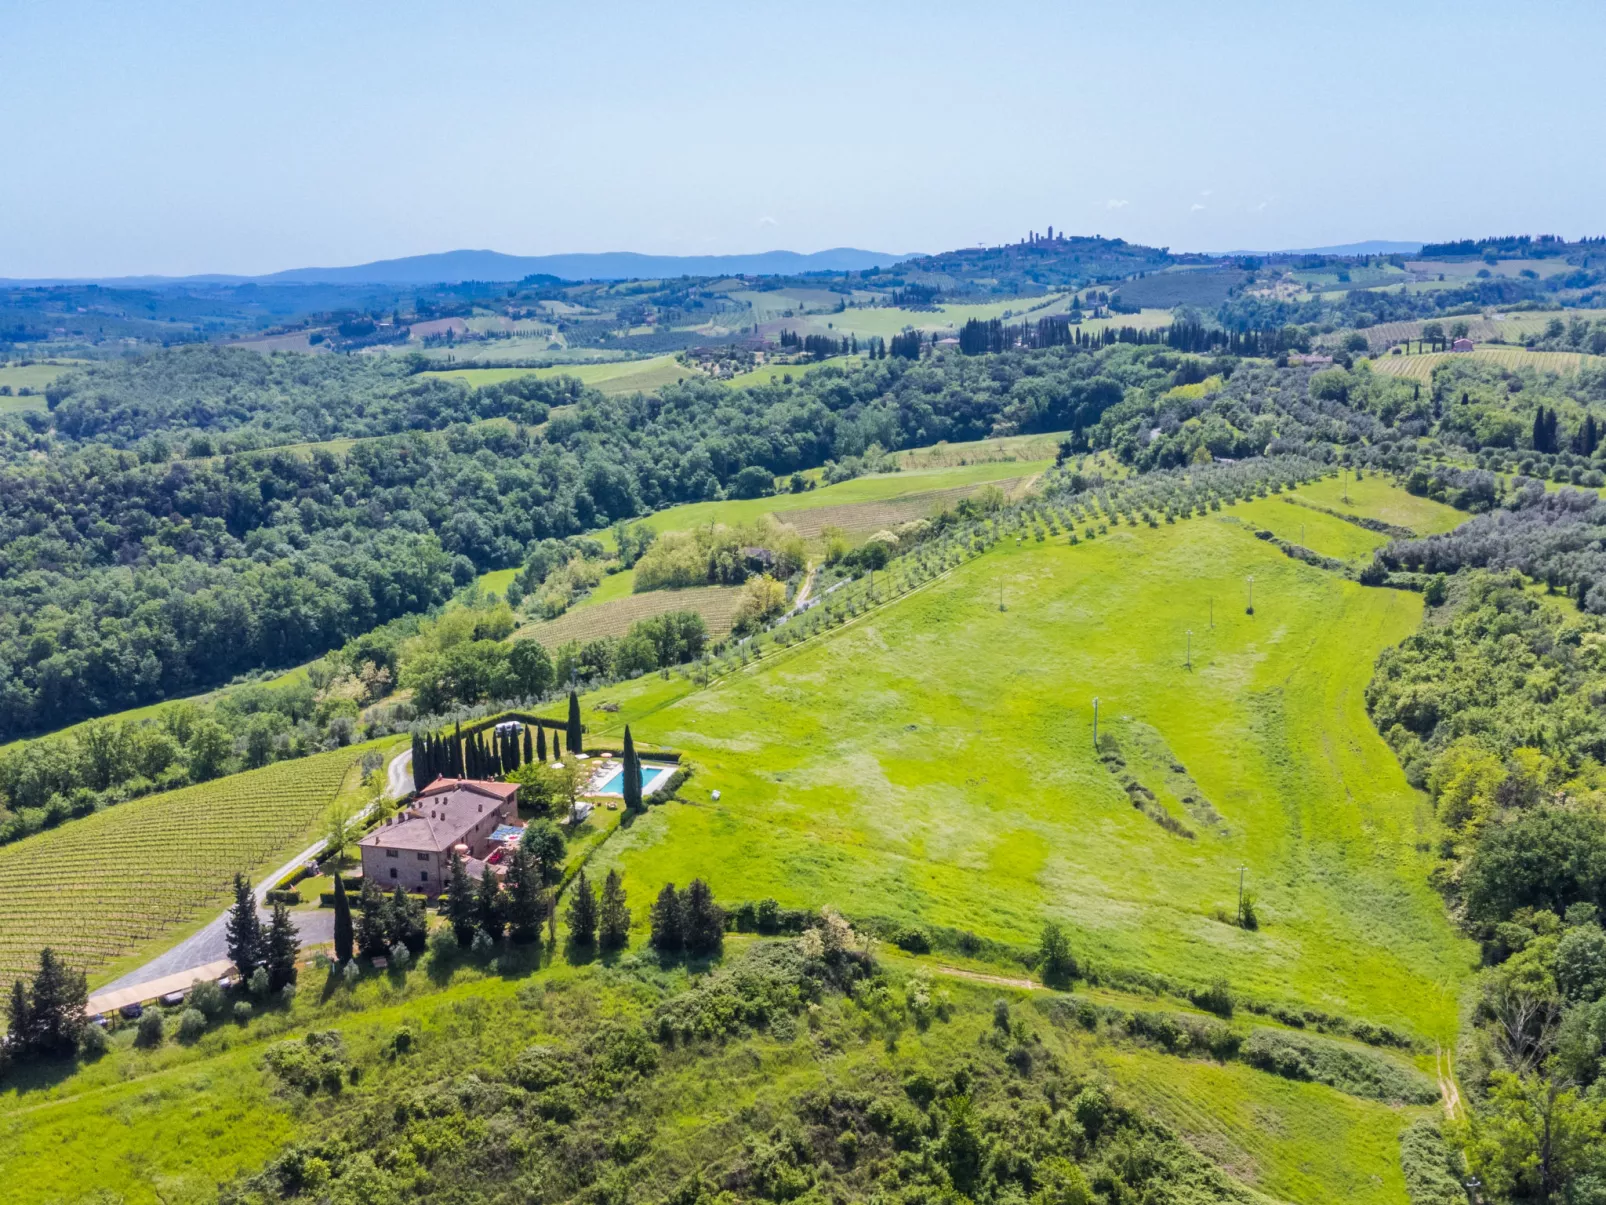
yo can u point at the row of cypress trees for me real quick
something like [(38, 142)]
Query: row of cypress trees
[(452, 756)]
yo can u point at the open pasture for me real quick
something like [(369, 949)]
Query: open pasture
[(932, 763), (1420, 367), (99, 888)]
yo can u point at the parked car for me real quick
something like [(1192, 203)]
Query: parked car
[(132, 1012)]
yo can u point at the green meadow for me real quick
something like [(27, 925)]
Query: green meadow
[(932, 763), (612, 377)]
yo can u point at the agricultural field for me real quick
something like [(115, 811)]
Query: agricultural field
[(34, 377), (880, 487), (612, 377), (1490, 328), (105, 886), (1420, 367), (1375, 497), (1463, 269), (862, 770), (613, 617), (1038, 450)]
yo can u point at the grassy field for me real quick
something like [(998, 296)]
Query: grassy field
[(933, 764), (887, 321), (104, 886), (878, 487), (1037, 450), (33, 377), (1375, 497), (613, 617), (1420, 367), (612, 377), (496, 581)]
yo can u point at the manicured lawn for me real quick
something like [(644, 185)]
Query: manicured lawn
[(932, 764)]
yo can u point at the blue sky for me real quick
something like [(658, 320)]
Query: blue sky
[(175, 138)]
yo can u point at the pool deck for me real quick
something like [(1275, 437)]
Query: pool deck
[(616, 765)]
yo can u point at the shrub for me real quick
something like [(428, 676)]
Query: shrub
[(191, 1025), (399, 956), (259, 982), (912, 940), (93, 1042), (242, 1011), (207, 997), (1217, 998), (350, 973), (149, 1033)]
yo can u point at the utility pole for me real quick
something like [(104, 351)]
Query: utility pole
[(1000, 593), (1095, 723), (1251, 594), (1190, 648), (1241, 870), (1212, 612)]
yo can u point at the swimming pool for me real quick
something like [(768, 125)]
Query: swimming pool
[(614, 784)]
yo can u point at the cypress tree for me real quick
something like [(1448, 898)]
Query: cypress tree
[(557, 744), (460, 907), (418, 758), (488, 906), (613, 917), (526, 908), (243, 931), (703, 921), (343, 937), (529, 747), (668, 924), (404, 921), (280, 946), (371, 924), (582, 916), (632, 774), (540, 743), (18, 1015), (576, 732)]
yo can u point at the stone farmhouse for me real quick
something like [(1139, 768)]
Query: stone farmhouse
[(413, 850)]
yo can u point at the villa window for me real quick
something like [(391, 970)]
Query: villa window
[(423, 876), (393, 853), (423, 857), (393, 873)]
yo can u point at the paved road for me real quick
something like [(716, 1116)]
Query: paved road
[(211, 943)]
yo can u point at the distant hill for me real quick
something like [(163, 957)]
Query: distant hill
[(452, 267), (1370, 247), (1032, 267)]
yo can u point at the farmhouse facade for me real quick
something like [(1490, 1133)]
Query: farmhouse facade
[(413, 850)]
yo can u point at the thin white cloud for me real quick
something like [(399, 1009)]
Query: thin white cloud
[(766, 220), (1261, 208), (1196, 207), (1112, 203), (1207, 192)]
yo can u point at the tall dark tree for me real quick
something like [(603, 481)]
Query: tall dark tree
[(704, 921), (582, 915), (280, 944), (557, 744), (54, 1007), (243, 931), (343, 931), (668, 922), (489, 914), (371, 922), (526, 901), (17, 1014), (613, 916), (405, 921), (529, 747), (540, 743), (632, 774), (460, 904), (576, 732)]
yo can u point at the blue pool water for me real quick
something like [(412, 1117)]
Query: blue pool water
[(615, 784)]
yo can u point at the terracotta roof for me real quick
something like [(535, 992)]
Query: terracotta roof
[(496, 790), (442, 815)]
